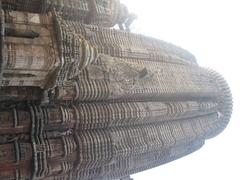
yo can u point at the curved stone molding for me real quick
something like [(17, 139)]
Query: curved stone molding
[(224, 105)]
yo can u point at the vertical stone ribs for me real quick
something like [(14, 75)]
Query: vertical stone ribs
[(79, 100)]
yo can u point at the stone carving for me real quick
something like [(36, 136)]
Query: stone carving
[(79, 100)]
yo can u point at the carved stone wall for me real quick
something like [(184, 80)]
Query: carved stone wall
[(30, 51), (85, 102)]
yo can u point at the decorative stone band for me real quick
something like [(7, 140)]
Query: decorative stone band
[(225, 105), (131, 46), (111, 78), (86, 116)]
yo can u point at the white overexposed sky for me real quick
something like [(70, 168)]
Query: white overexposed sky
[(210, 29)]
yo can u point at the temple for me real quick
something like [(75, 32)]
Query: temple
[(82, 100)]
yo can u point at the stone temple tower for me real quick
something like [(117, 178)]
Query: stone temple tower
[(80, 100)]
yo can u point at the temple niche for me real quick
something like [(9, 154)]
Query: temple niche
[(80, 99)]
